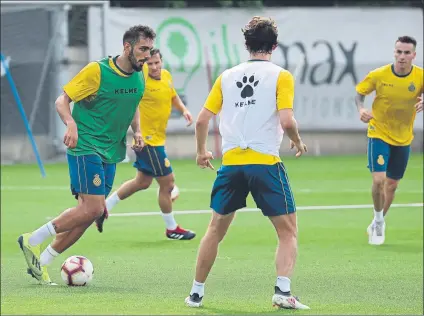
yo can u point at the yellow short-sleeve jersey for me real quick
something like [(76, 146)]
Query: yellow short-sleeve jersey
[(285, 90), (86, 83), (284, 100), (393, 106), (155, 107)]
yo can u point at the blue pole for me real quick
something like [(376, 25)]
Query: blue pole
[(24, 118)]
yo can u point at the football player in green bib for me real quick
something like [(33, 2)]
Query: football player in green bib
[(106, 95)]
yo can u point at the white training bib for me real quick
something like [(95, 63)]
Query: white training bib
[(249, 116)]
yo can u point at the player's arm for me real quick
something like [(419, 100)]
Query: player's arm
[(135, 126), (364, 88), (84, 84), (63, 108), (212, 107), (178, 104), (135, 123), (285, 99), (176, 101)]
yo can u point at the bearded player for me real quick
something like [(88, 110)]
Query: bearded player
[(106, 95), (399, 88), (152, 162)]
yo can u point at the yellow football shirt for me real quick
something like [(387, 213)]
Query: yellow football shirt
[(393, 106), (284, 100), (87, 82), (155, 107)]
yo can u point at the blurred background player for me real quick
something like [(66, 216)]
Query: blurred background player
[(152, 161), (255, 102), (106, 95), (399, 88)]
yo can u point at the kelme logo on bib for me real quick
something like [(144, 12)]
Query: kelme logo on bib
[(247, 87)]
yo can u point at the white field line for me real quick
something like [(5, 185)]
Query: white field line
[(5, 188), (299, 208)]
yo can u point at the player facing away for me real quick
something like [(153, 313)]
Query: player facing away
[(398, 88), (106, 95), (255, 103), (152, 161)]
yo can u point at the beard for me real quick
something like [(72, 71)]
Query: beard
[(134, 63)]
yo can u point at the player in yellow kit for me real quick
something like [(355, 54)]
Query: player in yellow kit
[(399, 88), (254, 100), (155, 108)]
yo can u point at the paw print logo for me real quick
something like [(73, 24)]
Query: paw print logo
[(247, 87)]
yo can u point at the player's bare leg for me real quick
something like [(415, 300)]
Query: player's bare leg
[(173, 230), (62, 242), (91, 207), (376, 230), (285, 260), (208, 251), (378, 180), (166, 184), (140, 182), (286, 228), (390, 187)]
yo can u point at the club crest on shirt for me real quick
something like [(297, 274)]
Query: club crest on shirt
[(380, 160), (91, 97), (97, 181), (167, 163), (411, 87)]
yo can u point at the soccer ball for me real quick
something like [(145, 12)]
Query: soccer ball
[(174, 194), (77, 271)]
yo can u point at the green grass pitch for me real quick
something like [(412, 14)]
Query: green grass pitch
[(138, 271)]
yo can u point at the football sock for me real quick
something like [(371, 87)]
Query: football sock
[(198, 288), (112, 200), (283, 284), (45, 231), (378, 216), (48, 255), (170, 222)]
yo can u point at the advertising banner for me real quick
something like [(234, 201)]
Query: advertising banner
[(328, 50)]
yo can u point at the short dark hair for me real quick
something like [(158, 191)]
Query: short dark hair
[(155, 51), (260, 35), (133, 34), (407, 40)]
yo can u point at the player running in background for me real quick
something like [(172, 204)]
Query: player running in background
[(399, 88), (152, 162), (255, 102), (106, 95)]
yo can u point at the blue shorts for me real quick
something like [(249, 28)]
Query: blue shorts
[(383, 157), (152, 161), (268, 184), (90, 175)]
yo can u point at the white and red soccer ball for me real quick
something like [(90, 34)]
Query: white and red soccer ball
[(77, 271)]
